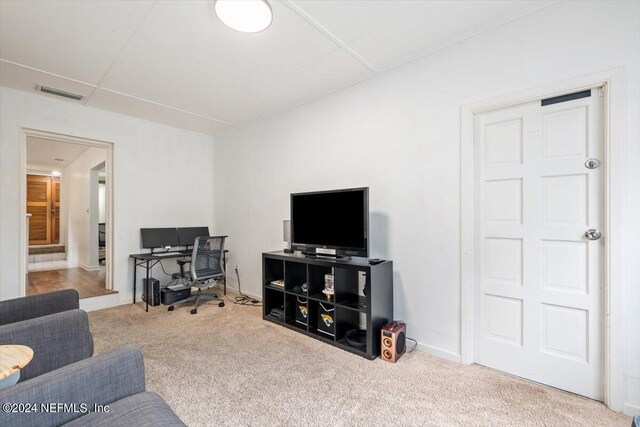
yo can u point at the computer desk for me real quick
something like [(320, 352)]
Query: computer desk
[(149, 260)]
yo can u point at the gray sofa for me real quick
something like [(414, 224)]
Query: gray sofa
[(63, 382)]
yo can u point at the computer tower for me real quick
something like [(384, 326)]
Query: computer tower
[(154, 290)]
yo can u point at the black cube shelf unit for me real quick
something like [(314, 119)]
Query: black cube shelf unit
[(350, 308)]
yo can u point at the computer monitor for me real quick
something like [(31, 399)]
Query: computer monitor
[(102, 235), (187, 235), (153, 238)]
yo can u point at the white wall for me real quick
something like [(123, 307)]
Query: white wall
[(78, 175), (163, 176), (399, 134)]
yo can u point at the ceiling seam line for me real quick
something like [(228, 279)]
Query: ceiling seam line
[(470, 34), (328, 34), (169, 107), (17, 64), (145, 21), (504, 21)]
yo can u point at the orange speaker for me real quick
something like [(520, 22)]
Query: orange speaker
[(393, 340)]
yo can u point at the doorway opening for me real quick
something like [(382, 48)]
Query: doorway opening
[(67, 196)]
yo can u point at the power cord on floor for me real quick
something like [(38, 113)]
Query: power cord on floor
[(415, 344), (242, 299)]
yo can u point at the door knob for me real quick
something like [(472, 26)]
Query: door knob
[(592, 234), (592, 163)]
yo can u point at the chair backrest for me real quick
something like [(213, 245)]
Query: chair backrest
[(206, 259)]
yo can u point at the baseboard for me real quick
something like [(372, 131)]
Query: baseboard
[(630, 409), (102, 302), (90, 267), (438, 352)]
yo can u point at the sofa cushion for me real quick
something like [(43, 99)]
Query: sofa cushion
[(57, 340), (140, 409)]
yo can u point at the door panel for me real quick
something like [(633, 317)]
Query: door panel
[(538, 279), (55, 210), (39, 206), (43, 203)]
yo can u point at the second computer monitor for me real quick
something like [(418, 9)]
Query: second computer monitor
[(154, 238), (187, 235)]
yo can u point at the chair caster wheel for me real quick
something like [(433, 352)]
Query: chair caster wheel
[(221, 304), (194, 311), (170, 308)]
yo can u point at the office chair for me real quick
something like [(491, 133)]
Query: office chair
[(206, 269)]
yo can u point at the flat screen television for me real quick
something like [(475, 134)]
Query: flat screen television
[(337, 220)]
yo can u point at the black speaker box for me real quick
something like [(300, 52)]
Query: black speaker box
[(168, 296)]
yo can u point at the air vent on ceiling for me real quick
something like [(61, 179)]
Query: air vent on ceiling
[(59, 92)]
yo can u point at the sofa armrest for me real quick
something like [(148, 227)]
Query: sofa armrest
[(100, 380), (31, 307), (56, 340)]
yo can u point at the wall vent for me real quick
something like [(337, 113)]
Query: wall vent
[(59, 92)]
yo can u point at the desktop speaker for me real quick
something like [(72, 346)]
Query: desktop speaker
[(154, 291), (286, 235), (393, 340)]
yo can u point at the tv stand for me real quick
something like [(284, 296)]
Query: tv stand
[(350, 307), (317, 255)]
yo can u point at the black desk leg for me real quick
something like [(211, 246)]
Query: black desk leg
[(135, 268), (146, 288), (224, 260)]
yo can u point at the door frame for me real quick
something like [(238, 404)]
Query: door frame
[(612, 83), (109, 217)]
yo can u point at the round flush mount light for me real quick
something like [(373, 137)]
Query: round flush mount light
[(246, 16)]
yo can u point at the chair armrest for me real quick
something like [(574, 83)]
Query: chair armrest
[(25, 308), (100, 380), (56, 340)]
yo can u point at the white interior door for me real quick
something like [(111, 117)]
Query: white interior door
[(538, 278)]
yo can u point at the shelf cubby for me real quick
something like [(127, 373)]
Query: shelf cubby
[(316, 279), (295, 274), (272, 269), (349, 308), (293, 313), (272, 298), (346, 320)]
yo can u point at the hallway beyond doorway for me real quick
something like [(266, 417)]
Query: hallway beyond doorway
[(87, 283)]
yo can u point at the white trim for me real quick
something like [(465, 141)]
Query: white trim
[(438, 352), (102, 302), (22, 158), (614, 133), (90, 267), (630, 409)]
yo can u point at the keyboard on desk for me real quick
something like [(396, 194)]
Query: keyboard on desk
[(169, 254)]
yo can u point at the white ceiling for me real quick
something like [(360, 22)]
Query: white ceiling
[(42, 154), (173, 62)]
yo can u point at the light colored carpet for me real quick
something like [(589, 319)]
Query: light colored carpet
[(226, 366)]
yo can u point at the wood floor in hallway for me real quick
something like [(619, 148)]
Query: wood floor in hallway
[(87, 283)]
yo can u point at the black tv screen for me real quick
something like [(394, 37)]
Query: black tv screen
[(337, 219)]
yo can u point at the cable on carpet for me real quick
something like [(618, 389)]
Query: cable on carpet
[(242, 299)]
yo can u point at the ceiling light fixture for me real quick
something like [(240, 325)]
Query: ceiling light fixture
[(246, 16)]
